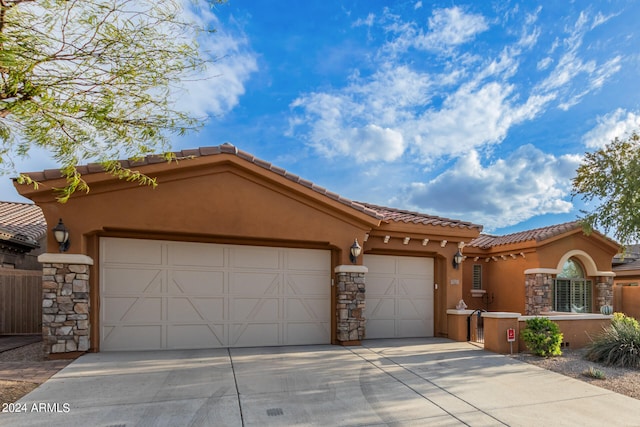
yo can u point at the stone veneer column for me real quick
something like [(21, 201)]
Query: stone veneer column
[(65, 304), (605, 292), (350, 303), (538, 296)]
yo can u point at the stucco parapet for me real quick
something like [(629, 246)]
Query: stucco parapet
[(351, 269), (605, 274), (556, 271), (459, 312), (542, 271), (567, 316), (501, 315), (78, 259)]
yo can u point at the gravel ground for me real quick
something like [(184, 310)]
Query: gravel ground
[(10, 391), (571, 363)]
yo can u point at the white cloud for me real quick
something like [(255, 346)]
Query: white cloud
[(217, 90), (447, 29), (511, 190), (544, 63), (619, 123), (371, 110), (376, 143), (471, 117), (600, 19), (367, 22), (574, 77), (418, 5), (452, 26), (461, 101)]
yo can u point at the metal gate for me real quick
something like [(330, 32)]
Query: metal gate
[(475, 326)]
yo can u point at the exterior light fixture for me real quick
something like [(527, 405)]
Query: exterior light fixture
[(457, 259), (61, 235), (354, 251)]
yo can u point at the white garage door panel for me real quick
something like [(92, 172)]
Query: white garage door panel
[(254, 309), (134, 252), (132, 281), (196, 283), (247, 258), (193, 336), (253, 284), (145, 337), (399, 296), (196, 295), (195, 255)]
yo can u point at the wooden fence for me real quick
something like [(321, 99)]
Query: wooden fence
[(20, 302)]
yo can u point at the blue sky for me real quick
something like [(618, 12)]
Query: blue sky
[(477, 111)]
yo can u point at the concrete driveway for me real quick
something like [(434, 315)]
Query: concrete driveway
[(433, 382)]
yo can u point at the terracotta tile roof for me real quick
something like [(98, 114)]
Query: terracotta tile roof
[(486, 241), (22, 223), (399, 215), (225, 148)]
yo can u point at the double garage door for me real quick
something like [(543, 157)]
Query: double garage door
[(171, 295)]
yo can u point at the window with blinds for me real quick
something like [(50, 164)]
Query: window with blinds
[(573, 295), (477, 276)]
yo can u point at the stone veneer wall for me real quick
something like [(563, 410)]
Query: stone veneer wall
[(539, 288), (605, 292), (65, 303), (538, 293), (350, 294)]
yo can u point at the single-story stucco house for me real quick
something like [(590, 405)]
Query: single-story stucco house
[(550, 269), (230, 250)]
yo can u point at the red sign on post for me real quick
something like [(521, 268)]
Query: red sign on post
[(511, 335)]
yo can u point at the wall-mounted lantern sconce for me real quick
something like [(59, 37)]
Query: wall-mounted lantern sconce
[(61, 234), (354, 251), (457, 259)]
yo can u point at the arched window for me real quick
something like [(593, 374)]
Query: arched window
[(572, 291), (572, 269)]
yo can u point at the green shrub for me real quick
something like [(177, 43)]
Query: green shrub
[(622, 319), (618, 345), (542, 337)]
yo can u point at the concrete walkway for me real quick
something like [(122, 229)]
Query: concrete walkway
[(433, 382)]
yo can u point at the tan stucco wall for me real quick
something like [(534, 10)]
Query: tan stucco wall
[(504, 279), (576, 333), (627, 300), (550, 254)]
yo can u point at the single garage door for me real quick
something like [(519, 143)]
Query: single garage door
[(170, 295), (399, 296)]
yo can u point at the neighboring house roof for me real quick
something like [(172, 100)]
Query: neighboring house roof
[(629, 261), (486, 241), (631, 265), (22, 224), (399, 215)]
